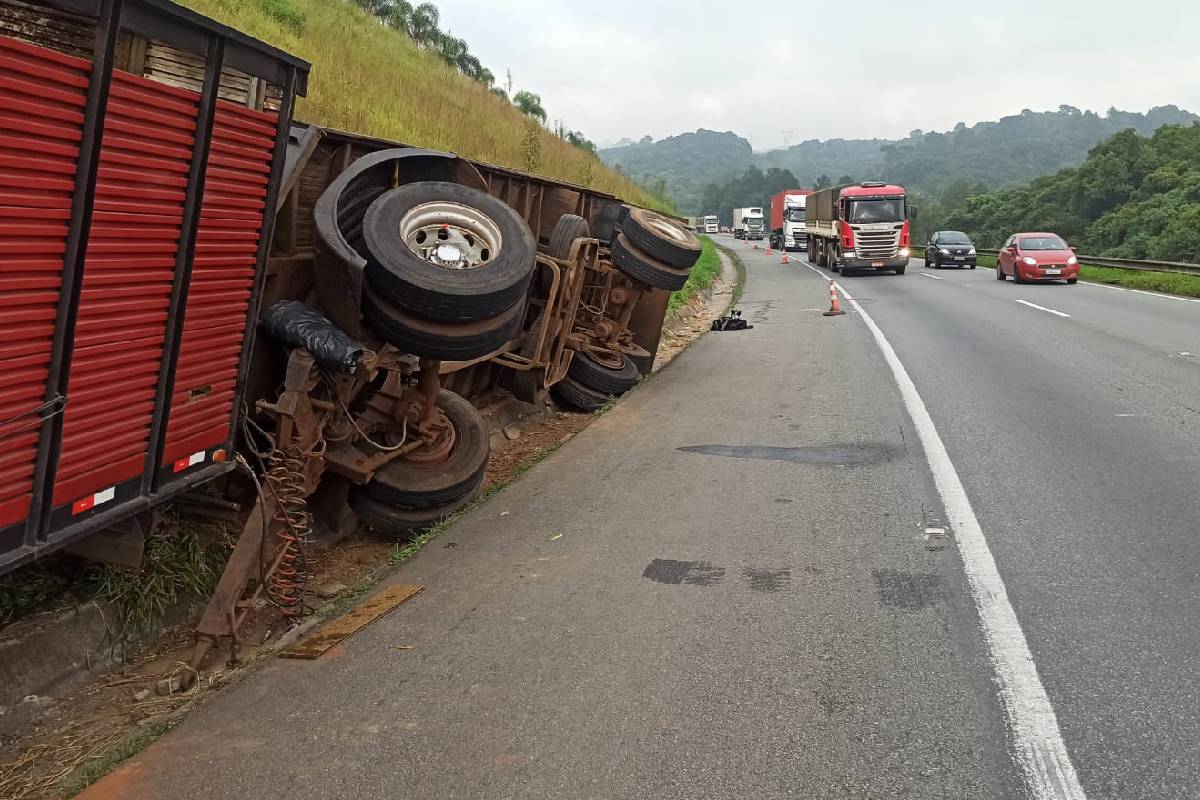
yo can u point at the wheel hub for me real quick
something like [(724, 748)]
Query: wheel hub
[(438, 437), (451, 235)]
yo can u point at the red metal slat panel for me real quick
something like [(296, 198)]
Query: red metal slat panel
[(127, 282), (231, 218), (42, 94)]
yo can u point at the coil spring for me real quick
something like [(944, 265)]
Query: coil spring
[(286, 479)]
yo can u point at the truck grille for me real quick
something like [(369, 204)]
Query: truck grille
[(876, 244)]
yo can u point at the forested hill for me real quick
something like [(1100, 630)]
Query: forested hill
[(1006, 152), (1133, 197)]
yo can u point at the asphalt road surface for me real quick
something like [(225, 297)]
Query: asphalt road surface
[(732, 585)]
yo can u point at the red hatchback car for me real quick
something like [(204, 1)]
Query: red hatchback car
[(1031, 257)]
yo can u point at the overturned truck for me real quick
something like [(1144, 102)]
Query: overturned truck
[(159, 208)]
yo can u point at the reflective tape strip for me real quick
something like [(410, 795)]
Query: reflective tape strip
[(188, 461), (91, 501)]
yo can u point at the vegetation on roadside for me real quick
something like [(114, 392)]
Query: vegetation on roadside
[(1134, 197), (705, 271), (374, 79)]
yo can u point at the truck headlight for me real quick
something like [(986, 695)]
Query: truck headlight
[(904, 251)]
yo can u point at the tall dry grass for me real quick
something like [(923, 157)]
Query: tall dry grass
[(370, 79)]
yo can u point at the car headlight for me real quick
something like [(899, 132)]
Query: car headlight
[(971, 252), (1030, 261), (943, 251), (1072, 260)]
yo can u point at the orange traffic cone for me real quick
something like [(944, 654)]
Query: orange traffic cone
[(769, 251), (835, 305), (784, 260), (756, 245)]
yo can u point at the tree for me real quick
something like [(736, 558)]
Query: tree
[(530, 105), (823, 182), (423, 23)]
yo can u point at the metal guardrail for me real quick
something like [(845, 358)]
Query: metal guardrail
[(1122, 263)]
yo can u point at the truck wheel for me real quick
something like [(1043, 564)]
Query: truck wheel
[(447, 252), (645, 268), (415, 485), (449, 341), (574, 394), (394, 520), (602, 378), (900, 270), (568, 228), (662, 238)]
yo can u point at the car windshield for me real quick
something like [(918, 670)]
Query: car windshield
[(1042, 243), (796, 215), (952, 237), (884, 209)]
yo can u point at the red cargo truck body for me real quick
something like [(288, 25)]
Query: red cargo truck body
[(136, 199)]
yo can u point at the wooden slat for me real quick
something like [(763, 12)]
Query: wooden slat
[(351, 623), (50, 28)]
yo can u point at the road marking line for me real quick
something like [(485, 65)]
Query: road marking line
[(1105, 286), (1043, 308), (1165, 296), (1037, 741), (932, 277)]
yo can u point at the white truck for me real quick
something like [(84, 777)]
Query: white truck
[(788, 228), (708, 224), (748, 223)]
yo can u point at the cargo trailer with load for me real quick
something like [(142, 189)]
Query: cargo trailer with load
[(389, 285), (859, 226), (789, 230)]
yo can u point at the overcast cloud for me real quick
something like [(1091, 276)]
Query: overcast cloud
[(617, 68)]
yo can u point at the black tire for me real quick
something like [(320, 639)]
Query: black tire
[(970, 266), (1017, 274), (575, 394), (927, 261), (447, 341), (440, 293), (416, 486), (900, 270), (595, 375), (1072, 281), (393, 520), (645, 268), (568, 228), (662, 238), (999, 272)]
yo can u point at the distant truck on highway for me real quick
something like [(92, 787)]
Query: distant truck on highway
[(859, 226), (788, 224), (708, 224), (748, 223)]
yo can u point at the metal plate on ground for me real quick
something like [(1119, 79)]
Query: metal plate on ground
[(350, 623)]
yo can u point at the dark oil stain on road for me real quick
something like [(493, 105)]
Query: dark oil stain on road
[(674, 573), (853, 454), (768, 580), (909, 591)]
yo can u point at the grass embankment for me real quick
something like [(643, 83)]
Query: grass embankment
[(705, 271), (370, 79), (1169, 282)]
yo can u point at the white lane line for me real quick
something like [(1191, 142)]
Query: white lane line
[(1043, 308), (1105, 286), (1040, 750), (1166, 296), (932, 277)]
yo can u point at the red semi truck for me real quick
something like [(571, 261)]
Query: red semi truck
[(860, 226)]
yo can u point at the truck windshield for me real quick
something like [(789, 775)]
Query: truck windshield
[(796, 215), (883, 209)]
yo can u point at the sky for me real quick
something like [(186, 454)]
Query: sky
[(778, 72)]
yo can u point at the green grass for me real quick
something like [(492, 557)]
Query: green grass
[(370, 79), (96, 769), (705, 271), (1168, 282)]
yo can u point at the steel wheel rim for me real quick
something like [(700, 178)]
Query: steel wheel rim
[(451, 235), (666, 226)]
